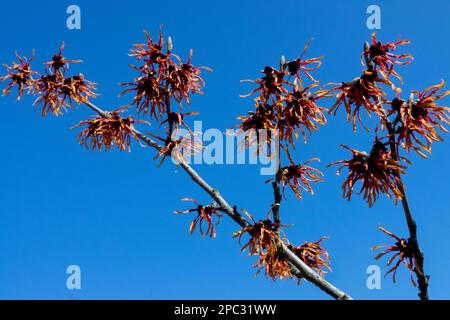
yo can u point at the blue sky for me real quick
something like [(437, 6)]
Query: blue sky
[(111, 213)]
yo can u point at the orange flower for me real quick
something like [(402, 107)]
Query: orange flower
[(402, 251), (107, 132), (184, 79), (301, 112), (421, 118), (298, 66), (176, 119), (162, 76), (264, 119), (377, 172), (150, 96), (361, 92), (20, 74), (271, 85), (264, 243), (204, 214), (313, 255), (299, 176), (178, 149), (59, 64), (380, 54), (56, 92)]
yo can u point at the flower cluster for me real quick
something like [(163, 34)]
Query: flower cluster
[(263, 243), (105, 132), (402, 251), (204, 214), (376, 171), (162, 76), (55, 90)]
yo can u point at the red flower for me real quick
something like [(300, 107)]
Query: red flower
[(20, 74), (361, 92), (107, 132), (421, 118), (264, 243), (271, 85), (381, 55), (402, 251), (56, 92), (162, 76), (204, 214), (298, 66), (312, 253), (299, 177), (376, 171), (59, 64), (301, 113)]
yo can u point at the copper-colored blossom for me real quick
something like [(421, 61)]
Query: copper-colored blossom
[(149, 96), (204, 214), (106, 132), (176, 119), (162, 75), (264, 243), (56, 93), (20, 74), (271, 85), (402, 251), (299, 66), (184, 79), (380, 54), (361, 92), (299, 177), (59, 64), (300, 112), (315, 257), (178, 148), (378, 173), (259, 127), (421, 118)]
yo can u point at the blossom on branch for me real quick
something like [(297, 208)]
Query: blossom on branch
[(20, 75), (263, 243), (162, 76), (380, 54), (106, 132), (315, 257), (421, 118), (402, 251), (204, 214), (299, 177), (361, 92)]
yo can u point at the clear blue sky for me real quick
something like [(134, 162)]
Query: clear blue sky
[(111, 213)]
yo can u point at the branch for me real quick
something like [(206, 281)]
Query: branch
[(300, 269)]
